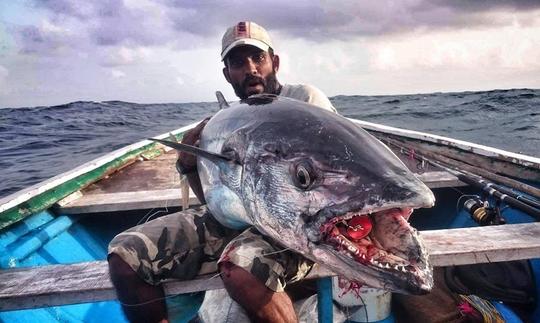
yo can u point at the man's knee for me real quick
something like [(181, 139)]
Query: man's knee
[(226, 268), (122, 275), (238, 280), (235, 276), (141, 302)]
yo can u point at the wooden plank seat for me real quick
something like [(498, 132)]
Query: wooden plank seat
[(89, 282), (125, 201)]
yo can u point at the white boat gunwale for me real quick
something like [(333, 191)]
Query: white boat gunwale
[(515, 158), (16, 199)]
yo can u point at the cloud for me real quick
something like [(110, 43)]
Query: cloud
[(350, 19), (47, 38), (297, 17), (165, 50), (79, 9), (99, 22), (117, 74), (116, 24), (483, 48), (475, 5), (122, 55), (3, 80), (188, 24)]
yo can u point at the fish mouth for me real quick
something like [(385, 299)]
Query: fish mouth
[(380, 244)]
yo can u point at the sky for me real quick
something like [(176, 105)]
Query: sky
[(168, 51)]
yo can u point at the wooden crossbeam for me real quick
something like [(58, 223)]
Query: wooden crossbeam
[(89, 282), (124, 201)]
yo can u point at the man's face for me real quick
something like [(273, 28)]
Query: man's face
[(251, 70)]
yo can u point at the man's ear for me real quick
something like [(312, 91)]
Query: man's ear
[(275, 61), (226, 74)]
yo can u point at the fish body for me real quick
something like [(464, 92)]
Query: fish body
[(320, 185)]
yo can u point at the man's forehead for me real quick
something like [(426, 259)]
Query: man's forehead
[(244, 50)]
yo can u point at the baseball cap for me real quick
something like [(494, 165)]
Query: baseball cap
[(245, 33)]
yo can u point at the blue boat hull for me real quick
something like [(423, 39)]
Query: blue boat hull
[(48, 238)]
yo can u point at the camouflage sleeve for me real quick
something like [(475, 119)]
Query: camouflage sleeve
[(180, 245), (267, 260)]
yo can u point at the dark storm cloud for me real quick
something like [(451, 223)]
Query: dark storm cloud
[(297, 17), (483, 5), (66, 7), (340, 20), (106, 23), (33, 40), (117, 24), (99, 23)]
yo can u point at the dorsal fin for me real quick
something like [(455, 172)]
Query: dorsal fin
[(223, 104)]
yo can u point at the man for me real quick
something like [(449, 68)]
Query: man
[(188, 243), (251, 66)]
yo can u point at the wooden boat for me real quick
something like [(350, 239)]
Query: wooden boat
[(54, 235)]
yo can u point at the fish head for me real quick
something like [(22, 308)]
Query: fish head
[(322, 186)]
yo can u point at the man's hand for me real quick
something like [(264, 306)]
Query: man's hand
[(187, 163)]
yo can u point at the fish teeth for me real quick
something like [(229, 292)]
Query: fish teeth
[(387, 266)]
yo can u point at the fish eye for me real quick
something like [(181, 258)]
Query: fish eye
[(304, 176)]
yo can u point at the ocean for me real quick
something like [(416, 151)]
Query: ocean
[(37, 143)]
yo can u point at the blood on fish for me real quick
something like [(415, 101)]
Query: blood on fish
[(348, 286)]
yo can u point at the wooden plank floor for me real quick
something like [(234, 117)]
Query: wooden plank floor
[(144, 175), (146, 184), (155, 183), (89, 282)]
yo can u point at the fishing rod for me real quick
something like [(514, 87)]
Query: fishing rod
[(531, 210), (462, 166), (470, 179), (519, 197)]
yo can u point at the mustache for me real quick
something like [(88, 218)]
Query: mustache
[(251, 78)]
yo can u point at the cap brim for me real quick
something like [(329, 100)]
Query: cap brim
[(244, 41)]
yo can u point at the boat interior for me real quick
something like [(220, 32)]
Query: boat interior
[(56, 259)]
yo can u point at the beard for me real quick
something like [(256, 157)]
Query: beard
[(269, 83)]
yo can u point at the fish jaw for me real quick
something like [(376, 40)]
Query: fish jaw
[(390, 256)]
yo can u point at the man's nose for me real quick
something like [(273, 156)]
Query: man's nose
[(251, 67)]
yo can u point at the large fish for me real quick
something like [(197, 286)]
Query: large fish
[(318, 184)]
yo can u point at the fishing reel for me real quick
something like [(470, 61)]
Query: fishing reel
[(482, 213)]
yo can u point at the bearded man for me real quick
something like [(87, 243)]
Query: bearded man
[(192, 242)]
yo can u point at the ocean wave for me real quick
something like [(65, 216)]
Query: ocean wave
[(55, 139)]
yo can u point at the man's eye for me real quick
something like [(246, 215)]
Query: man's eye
[(259, 57), (235, 63)]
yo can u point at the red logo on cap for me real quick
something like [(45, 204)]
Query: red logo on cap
[(241, 30)]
